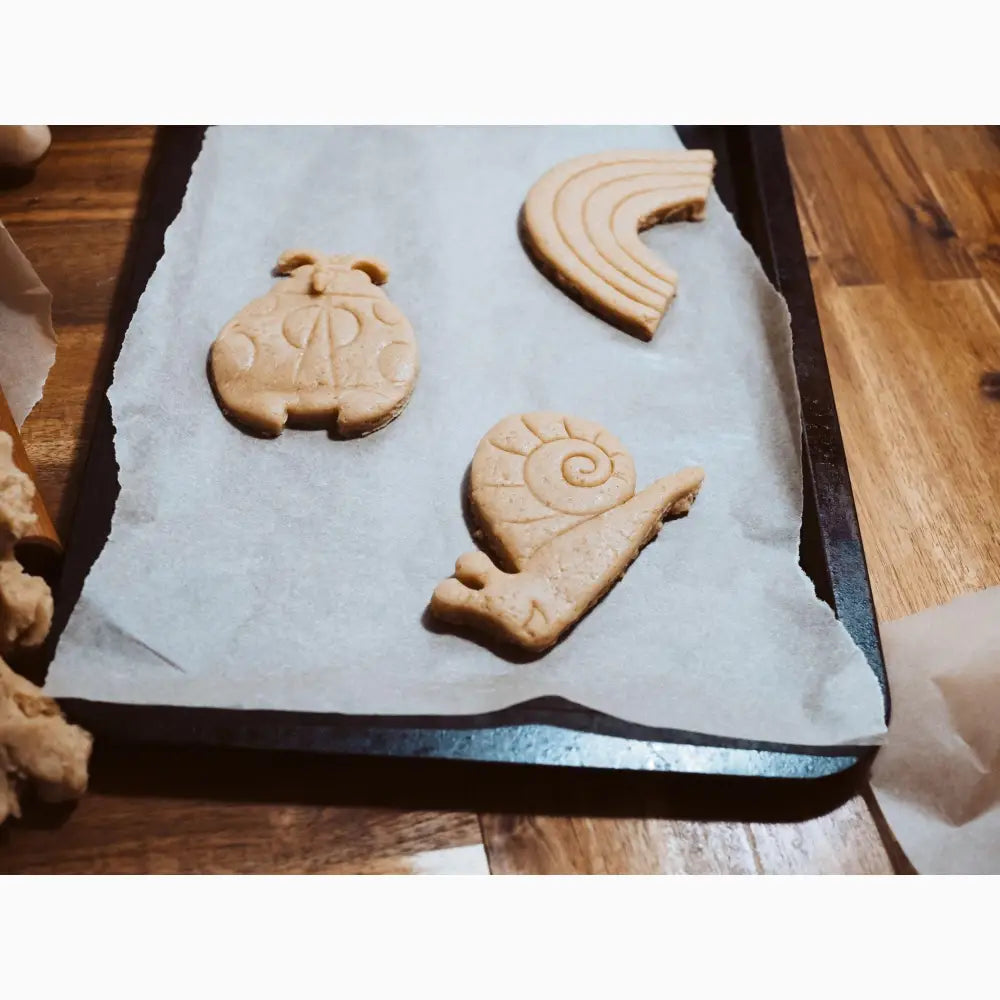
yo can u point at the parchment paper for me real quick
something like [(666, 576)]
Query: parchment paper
[(294, 573), (937, 779), (27, 340)]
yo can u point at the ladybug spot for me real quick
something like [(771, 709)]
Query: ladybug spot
[(344, 326), (232, 354), (396, 362), (387, 313)]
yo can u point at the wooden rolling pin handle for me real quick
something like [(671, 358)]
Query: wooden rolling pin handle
[(44, 532)]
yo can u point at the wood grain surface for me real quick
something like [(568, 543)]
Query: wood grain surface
[(902, 229)]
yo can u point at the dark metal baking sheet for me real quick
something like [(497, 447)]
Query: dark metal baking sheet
[(753, 180)]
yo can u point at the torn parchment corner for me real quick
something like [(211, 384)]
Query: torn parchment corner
[(27, 339), (937, 779)]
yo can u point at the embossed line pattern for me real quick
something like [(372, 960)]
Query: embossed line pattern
[(536, 475), (323, 345), (584, 217)]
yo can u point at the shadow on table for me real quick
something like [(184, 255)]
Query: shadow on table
[(256, 776)]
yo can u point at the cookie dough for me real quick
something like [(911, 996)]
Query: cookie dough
[(325, 347), (581, 221), (554, 500), (37, 744), (25, 601)]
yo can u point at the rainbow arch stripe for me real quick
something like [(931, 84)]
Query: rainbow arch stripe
[(581, 223)]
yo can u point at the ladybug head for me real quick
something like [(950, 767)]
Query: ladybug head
[(335, 273)]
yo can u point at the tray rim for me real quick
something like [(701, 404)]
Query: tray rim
[(762, 201)]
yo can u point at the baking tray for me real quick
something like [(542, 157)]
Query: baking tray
[(752, 179)]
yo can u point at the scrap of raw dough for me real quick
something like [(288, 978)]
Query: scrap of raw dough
[(25, 601), (38, 745), (581, 221), (36, 742), (554, 497), (325, 347)]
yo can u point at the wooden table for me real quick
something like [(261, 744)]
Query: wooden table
[(902, 227)]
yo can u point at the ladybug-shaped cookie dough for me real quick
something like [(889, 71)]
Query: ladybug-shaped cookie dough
[(324, 347)]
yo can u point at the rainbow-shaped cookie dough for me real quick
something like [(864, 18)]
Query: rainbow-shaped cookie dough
[(581, 221)]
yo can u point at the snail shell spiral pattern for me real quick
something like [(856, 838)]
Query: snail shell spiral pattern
[(537, 474), (554, 500)]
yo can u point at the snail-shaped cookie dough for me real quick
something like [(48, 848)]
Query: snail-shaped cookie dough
[(554, 498), (324, 347), (581, 221)]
